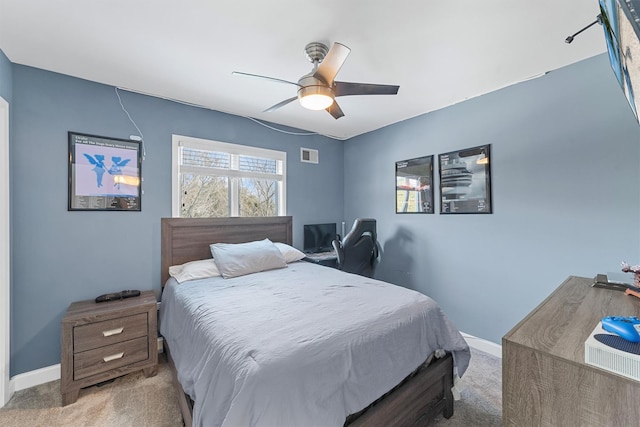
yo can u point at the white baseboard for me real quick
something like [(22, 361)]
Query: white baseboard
[(483, 345), (34, 378), (44, 375)]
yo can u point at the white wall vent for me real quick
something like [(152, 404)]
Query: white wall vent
[(308, 155)]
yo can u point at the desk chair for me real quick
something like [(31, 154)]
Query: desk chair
[(358, 250)]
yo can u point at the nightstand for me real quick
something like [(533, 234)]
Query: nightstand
[(102, 341)]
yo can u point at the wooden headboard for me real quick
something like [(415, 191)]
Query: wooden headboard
[(188, 239)]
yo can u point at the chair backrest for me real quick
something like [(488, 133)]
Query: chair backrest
[(358, 250)]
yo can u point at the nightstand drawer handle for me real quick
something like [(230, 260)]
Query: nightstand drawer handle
[(113, 357), (110, 332)]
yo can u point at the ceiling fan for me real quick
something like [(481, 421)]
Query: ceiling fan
[(318, 89)]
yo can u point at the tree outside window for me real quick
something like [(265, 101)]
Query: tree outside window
[(216, 179)]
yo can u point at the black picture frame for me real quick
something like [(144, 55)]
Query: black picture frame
[(105, 173), (414, 185), (465, 181)]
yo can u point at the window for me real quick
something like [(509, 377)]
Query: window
[(218, 179)]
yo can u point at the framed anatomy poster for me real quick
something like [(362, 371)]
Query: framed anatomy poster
[(104, 173)]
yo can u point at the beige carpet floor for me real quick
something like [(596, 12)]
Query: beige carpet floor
[(136, 401), (131, 400), (481, 395)]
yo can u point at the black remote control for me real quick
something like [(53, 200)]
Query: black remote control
[(130, 293), (117, 295)]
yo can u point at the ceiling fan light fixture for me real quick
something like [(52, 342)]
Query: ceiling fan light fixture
[(315, 97), (318, 89)]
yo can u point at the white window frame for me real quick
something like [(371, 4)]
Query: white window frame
[(235, 150)]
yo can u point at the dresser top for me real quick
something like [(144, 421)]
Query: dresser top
[(561, 324)]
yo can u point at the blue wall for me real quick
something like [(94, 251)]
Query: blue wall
[(565, 170), (60, 256), (6, 78)]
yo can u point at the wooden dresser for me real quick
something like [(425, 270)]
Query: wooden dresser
[(545, 381), (102, 341)]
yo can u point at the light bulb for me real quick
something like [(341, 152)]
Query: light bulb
[(315, 97)]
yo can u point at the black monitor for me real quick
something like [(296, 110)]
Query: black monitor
[(318, 237)]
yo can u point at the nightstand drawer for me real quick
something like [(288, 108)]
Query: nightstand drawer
[(100, 334), (107, 358)]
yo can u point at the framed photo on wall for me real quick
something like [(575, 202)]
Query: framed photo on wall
[(104, 173), (465, 181), (414, 185)]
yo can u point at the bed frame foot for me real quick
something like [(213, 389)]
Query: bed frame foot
[(448, 408)]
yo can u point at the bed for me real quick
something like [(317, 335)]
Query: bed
[(337, 352)]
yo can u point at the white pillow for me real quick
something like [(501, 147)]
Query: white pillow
[(194, 270), (289, 253), (238, 259)]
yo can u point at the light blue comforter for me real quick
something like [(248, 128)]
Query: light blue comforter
[(304, 345)]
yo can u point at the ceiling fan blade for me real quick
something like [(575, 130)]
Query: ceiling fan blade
[(280, 104), (332, 63), (346, 88), (238, 73), (335, 110)]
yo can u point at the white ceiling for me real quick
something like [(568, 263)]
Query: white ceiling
[(439, 52)]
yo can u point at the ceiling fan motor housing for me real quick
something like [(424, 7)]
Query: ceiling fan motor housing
[(314, 94)]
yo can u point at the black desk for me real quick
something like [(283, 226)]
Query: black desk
[(329, 259)]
